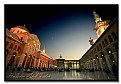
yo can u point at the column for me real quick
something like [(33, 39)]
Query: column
[(38, 65), (97, 65), (88, 66), (91, 65), (108, 61), (34, 64), (94, 65), (100, 61), (21, 60)]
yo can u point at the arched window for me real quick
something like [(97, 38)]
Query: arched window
[(106, 42), (103, 43), (110, 39), (97, 48), (100, 46), (18, 31), (18, 48), (15, 47), (114, 35), (11, 46)]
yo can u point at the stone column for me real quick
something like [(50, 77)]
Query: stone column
[(94, 65), (108, 61), (91, 65), (88, 66), (30, 65), (100, 61), (21, 59), (97, 65), (115, 55), (34, 64), (38, 63)]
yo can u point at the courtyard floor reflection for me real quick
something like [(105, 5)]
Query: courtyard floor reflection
[(55, 75)]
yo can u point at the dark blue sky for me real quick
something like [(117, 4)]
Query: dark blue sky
[(62, 29)]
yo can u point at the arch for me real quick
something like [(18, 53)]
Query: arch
[(12, 59), (106, 42), (104, 63), (103, 43), (109, 52)]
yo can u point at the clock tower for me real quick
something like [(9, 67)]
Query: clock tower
[(101, 25)]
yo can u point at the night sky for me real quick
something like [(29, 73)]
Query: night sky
[(62, 29)]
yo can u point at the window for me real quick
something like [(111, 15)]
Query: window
[(18, 31), (106, 42), (97, 48), (114, 35), (18, 48), (100, 46), (11, 46), (15, 47), (103, 43), (110, 39), (21, 38)]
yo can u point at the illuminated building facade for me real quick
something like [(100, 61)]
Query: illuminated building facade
[(60, 62), (28, 53), (72, 64), (13, 49), (102, 55)]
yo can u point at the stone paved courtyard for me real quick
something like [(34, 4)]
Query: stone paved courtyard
[(55, 75)]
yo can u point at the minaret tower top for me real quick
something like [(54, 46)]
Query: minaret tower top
[(96, 17), (101, 25)]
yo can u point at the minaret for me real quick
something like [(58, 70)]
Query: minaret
[(24, 25), (44, 50), (101, 25), (91, 41), (96, 17)]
